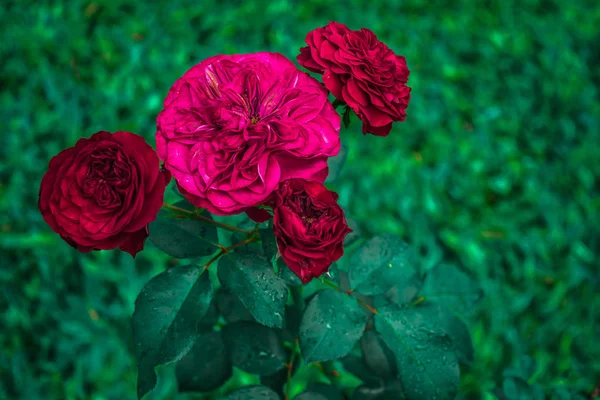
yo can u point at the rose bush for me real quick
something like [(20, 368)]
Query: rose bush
[(250, 133), (235, 126), (362, 72), (309, 226), (102, 193)]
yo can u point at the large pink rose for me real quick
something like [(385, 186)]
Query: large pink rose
[(234, 126)]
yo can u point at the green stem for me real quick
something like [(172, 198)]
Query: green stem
[(202, 218), (349, 292), (225, 250), (290, 366)]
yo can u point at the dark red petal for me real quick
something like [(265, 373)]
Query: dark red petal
[(258, 214), (134, 243)]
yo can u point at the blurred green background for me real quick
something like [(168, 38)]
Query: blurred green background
[(495, 169)]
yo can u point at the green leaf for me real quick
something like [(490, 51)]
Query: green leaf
[(206, 366), (448, 285), (277, 380), (428, 368), (354, 235), (336, 164), (231, 308), (183, 238), (320, 391), (454, 327), (383, 391), (380, 263), (254, 348), (287, 275), (269, 243), (331, 325), (357, 367), (251, 278), (346, 117), (167, 312), (166, 383), (377, 355), (256, 392)]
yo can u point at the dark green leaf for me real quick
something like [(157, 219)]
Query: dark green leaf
[(167, 313), (250, 248), (287, 275), (331, 325), (454, 327), (346, 117), (269, 244), (383, 391), (183, 238), (357, 367), (255, 348), (206, 366), (166, 383), (425, 354), (211, 317), (354, 235), (277, 380), (320, 391), (251, 278), (402, 293), (378, 357), (256, 392), (380, 263), (448, 285), (336, 164), (231, 307)]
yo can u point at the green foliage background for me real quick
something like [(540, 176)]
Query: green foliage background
[(496, 169)]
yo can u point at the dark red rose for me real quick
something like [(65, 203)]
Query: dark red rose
[(309, 226), (103, 193), (360, 71)]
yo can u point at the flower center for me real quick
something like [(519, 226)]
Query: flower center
[(254, 119)]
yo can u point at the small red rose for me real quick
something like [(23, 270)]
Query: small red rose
[(102, 193), (360, 71), (309, 226)]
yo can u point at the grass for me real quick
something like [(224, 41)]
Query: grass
[(495, 169)]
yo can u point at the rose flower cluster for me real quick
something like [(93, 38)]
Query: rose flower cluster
[(238, 133)]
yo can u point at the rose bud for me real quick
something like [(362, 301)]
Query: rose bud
[(309, 226), (102, 193), (362, 72)]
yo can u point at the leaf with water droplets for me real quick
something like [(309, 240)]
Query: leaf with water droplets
[(183, 238), (206, 366), (255, 348), (427, 364), (380, 263), (256, 392), (331, 325), (251, 278), (167, 316), (454, 327)]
